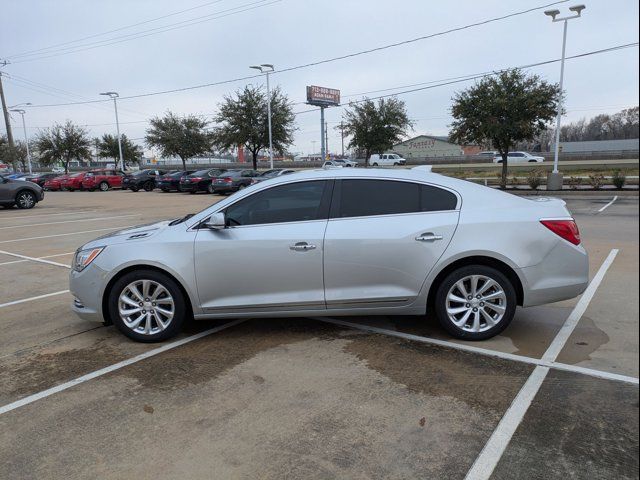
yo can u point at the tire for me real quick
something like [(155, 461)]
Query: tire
[(104, 186), (148, 186), (210, 188), (25, 199), (375, 164), (503, 297), (156, 334), (533, 161), (134, 188), (241, 187), (192, 192)]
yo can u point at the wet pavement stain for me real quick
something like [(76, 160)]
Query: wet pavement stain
[(480, 382), (586, 339)]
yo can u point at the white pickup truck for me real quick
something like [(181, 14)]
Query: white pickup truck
[(377, 160)]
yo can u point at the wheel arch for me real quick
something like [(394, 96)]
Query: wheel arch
[(133, 268), (485, 260)]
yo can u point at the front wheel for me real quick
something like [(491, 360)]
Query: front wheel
[(147, 306), (475, 302), (148, 186), (374, 164), (134, 189), (26, 200)]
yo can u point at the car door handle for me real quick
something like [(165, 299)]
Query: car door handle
[(301, 247), (428, 237)]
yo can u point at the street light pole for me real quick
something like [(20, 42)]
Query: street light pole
[(555, 180), (26, 142), (114, 96), (267, 68)]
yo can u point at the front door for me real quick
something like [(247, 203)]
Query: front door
[(382, 239), (270, 256)]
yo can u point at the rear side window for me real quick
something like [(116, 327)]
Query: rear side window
[(294, 202), (362, 198)]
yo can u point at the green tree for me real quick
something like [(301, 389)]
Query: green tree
[(242, 120), (107, 147), (376, 128), (184, 137), (63, 143), (504, 109)]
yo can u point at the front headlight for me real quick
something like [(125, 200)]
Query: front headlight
[(83, 258)]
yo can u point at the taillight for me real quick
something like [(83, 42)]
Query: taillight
[(227, 180), (196, 179), (567, 229)]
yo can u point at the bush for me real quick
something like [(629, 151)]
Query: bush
[(618, 179), (574, 182), (596, 180), (535, 179), (514, 181)]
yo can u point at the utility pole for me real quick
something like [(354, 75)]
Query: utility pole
[(114, 96), (326, 140), (323, 151), (7, 122), (342, 136)]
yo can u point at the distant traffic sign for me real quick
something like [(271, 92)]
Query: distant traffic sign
[(323, 96)]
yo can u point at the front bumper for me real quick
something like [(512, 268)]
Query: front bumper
[(87, 288)]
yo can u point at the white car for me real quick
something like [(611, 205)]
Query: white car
[(340, 163), (335, 242), (57, 170), (519, 157), (386, 159)]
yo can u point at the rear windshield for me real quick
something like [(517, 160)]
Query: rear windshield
[(200, 173)]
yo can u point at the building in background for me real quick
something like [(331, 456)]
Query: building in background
[(629, 145), (424, 146)]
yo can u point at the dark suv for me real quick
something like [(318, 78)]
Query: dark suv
[(144, 179), (232, 181), (200, 181), (21, 193)]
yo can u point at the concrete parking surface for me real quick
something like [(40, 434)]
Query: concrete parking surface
[(554, 396)]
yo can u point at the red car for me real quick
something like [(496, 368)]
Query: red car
[(55, 183), (102, 180), (73, 181)]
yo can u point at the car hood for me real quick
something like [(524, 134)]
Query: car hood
[(137, 233)]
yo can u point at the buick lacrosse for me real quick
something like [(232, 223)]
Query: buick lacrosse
[(338, 242)]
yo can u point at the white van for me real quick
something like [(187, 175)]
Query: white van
[(386, 159)]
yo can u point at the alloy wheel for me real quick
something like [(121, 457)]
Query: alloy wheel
[(476, 303), (26, 200), (146, 307), (104, 186)]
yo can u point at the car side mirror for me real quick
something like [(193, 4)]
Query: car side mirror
[(217, 221)]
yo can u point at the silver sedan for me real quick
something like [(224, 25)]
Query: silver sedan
[(338, 242)]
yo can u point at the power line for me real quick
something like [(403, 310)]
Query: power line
[(29, 52), (133, 36), (351, 55)]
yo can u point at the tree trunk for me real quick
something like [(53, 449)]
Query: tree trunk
[(66, 166), (254, 159), (503, 179), (367, 154), (184, 164)]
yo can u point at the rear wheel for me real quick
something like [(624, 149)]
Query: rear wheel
[(475, 302), (147, 306), (26, 199), (375, 164), (210, 188), (104, 186), (134, 188), (148, 186)]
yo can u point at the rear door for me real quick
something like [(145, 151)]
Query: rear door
[(269, 258), (382, 239)]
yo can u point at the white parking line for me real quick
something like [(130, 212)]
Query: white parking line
[(95, 219), (16, 302), (81, 212), (65, 234), (111, 368), (608, 204), (39, 258), (34, 259), (486, 352), (492, 452)]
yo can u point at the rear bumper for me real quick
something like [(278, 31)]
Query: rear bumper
[(193, 187), (563, 274), (224, 188)]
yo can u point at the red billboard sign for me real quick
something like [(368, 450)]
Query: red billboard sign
[(323, 96)]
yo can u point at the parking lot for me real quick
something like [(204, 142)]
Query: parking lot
[(554, 396)]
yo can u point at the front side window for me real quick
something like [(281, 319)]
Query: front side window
[(294, 202), (361, 198)]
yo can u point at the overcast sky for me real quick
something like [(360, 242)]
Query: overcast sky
[(293, 32)]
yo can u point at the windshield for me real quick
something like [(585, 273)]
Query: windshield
[(200, 173)]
